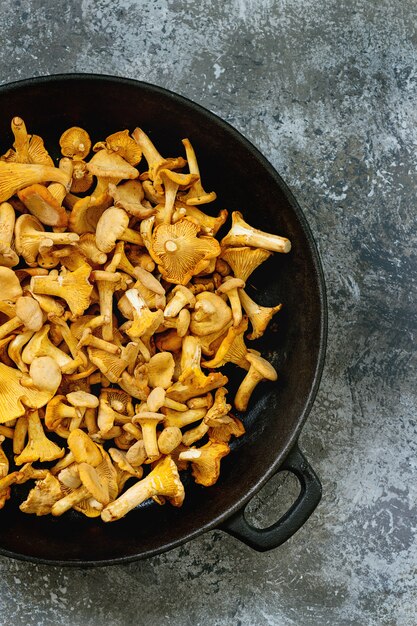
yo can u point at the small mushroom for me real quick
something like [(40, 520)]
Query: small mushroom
[(232, 348), (42, 204), (179, 252), (86, 213), (245, 260), (29, 233), (259, 316), (205, 466), (211, 314), (179, 419), (28, 314), (120, 458), (195, 434), (169, 439), (19, 434), (45, 374), (42, 496), (39, 447), (84, 450), (17, 176), (163, 480), (27, 148), (57, 411), (81, 181), (112, 226), (180, 323), (75, 143), (109, 167), (230, 287), (8, 256), (73, 287), (160, 370), (123, 145), (223, 432), (148, 422), (242, 234), (129, 196), (182, 297), (136, 455), (260, 369), (13, 394), (81, 401), (152, 156), (196, 194)]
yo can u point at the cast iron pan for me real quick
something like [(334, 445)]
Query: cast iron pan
[(244, 180)]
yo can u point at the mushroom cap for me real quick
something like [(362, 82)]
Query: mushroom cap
[(12, 394), (90, 478), (179, 252), (45, 373), (262, 366), (148, 417), (160, 370), (42, 204), (10, 285), (27, 245), (42, 496), (110, 227), (206, 468), (82, 399), (83, 448), (111, 165), (75, 143), (221, 316), (124, 146), (81, 178), (29, 312), (244, 260), (86, 213)]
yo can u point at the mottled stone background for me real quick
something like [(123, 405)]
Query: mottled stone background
[(327, 90)]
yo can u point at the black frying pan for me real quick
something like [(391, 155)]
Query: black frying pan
[(244, 180)]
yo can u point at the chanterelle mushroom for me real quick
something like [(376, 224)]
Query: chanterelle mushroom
[(8, 256), (179, 252), (164, 481), (241, 234), (260, 369)]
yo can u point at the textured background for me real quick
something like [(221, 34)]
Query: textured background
[(327, 90)]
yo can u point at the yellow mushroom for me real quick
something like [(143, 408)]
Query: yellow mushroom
[(42, 496), (230, 287), (13, 394), (160, 370), (211, 314), (242, 234), (42, 204), (39, 447), (180, 419), (136, 455), (57, 411), (181, 297), (8, 256), (112, 226), (196, 194), (29, 234), (129, 196), (163, 481), (245, 260), (232, 348), (75, 143), (205, 465), (28, 314), (179, 252), (17, 176), (123, 145), (19, 434), (120, 459), (259, 316), (81, 181), (27, 148), (73, 287), (152, 156), (223, 432), (148, 422), (45, 374), (260, 369), (109, 167), (86, 212)]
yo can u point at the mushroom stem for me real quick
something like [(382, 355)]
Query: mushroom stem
[(88, 339), (66, 503)]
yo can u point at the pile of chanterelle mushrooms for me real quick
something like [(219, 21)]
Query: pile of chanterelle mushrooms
[(118, 306)]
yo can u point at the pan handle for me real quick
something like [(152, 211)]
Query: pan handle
[(263, 539)]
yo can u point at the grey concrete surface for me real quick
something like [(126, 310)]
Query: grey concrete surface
[(327, 89)]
